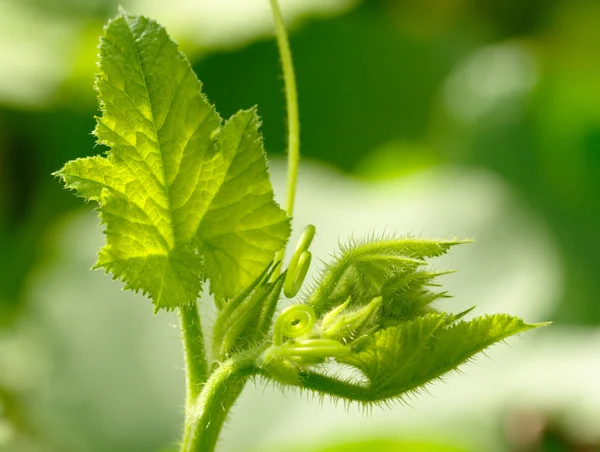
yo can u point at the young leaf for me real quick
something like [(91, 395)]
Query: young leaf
[(345, 325), (181, 198), (405, 357), (387, 268)]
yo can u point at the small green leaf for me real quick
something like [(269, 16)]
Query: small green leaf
[(181, 198), (408, 295), (405, 357), (389, 268), (345, 325)]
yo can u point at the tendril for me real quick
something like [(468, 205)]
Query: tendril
[(299, 263), (314, 350), (294, 321), (297, 321)]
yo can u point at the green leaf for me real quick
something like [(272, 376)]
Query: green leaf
[(405, 357), (388, 268), (181, 197)]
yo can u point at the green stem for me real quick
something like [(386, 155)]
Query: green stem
[(293, 122), (336, 388), (205, 418), (196, 365)]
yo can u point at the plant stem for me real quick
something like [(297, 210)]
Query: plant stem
[(196, 365), (293, 122), (291, 97), (336, 388), (205, 418)]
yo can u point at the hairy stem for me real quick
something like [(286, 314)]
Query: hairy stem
[(206, 416), (196, 365), (293, 122), (336, 388)]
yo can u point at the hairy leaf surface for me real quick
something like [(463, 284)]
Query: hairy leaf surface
[(389, 268), (404, 357), (182, 196)]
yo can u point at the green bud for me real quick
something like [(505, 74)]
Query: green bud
[(247, 318), (345, 324)]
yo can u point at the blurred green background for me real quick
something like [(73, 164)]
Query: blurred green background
[(437, 117)]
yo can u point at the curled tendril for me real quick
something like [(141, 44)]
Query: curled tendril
[(299, 263), (294, 321), (297, 321)]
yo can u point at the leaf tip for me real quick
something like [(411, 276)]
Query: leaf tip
[(122, 11), (539, 325), (58, 174)]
